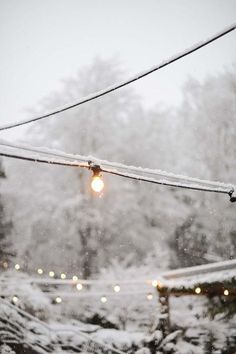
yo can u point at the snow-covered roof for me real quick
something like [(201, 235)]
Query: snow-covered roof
[(220, 274)]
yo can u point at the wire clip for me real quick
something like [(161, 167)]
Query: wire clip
[(232, 196)]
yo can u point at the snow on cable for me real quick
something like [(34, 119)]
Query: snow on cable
[(141, 174), (121, 84)]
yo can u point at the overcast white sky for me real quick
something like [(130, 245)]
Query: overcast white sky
[(43, 42)]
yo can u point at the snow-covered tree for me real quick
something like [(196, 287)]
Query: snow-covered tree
[(6, 251)]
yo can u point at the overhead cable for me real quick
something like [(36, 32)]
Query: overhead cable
[(121, 84), (117, 166), (192, 184)]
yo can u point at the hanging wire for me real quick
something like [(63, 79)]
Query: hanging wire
[(117, 166), (97, 282), (192, 183), (87, 294), (119, 85)]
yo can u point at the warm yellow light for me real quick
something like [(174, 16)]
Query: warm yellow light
[(149, 296), (154, 283), (79, 286), (40, 271), (58, 299), (15, 299), (197, 290), (97, 184), (74, 278), (5, 265), (17, 266), (103, 299), (226, 292), (51, 273), (116, 288), (63, 276)]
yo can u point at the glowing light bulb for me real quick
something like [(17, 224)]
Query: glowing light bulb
[(15, 299), (197, 290), (17, 266), (226, 292), (5, 265), (154, 283), (149, 296), (58, 299), (74, 278), (40, 271), (116, 288), (51, 274), (63, 276), (103, 299), (97, 184), (79, 286)]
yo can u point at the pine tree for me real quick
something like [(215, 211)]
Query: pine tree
[(5, 228)]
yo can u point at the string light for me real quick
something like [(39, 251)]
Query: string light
[(63, 276), (79, 286), (154, 283), (134, 173), (97, 184), (198, 290), (75, 278), (117, 288), (149, 296), (5, 265), (40, 271), (58, 299), (17, 266), (103, 299), (226, 292), (51, 274), (15, 299)]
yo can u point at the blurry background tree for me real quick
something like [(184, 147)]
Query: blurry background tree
[(6, 250), (53, 208)]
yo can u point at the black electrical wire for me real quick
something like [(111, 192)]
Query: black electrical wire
[(43, 160), (116, 166), (117, 173), (127, 82), (166, 183)]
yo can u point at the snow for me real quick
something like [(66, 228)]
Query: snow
[(119, 168), (187, 348), (192, 281), (132, 233), (186, 315), (122, 339)]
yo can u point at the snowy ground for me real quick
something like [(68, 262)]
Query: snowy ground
[(57, 332)]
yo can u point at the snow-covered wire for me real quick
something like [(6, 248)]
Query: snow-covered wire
[(115, 165), (169, 179), (42, 160), (98, 294), (130, 80), (163, 182), (50, 281), (86, 294)]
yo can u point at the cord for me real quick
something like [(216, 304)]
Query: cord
[(119, 85)]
